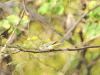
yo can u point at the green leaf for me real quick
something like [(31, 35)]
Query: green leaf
[(85, 28), (91, 34), (92, 27), (56, 10), (97, 16), (90, 13), (96, 10), (17, 31), (52, 3), (59, 10), (13, 19), (43, 8), (98, 29), (89, 19), (6, 24)]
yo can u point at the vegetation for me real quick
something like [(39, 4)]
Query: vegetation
[(25, 25)]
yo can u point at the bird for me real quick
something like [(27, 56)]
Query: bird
[(49, 45)]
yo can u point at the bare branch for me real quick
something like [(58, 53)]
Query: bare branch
[(26, 14), (53, 50), (13, 31), (87, 41), (78, 22)]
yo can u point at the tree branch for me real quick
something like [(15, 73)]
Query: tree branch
[(53, 50), (78, 22), (13, 32)]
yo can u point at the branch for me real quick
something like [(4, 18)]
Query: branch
[(87, 41), (91, 64), (26, 14), (13, 32), (78, 22), (53, 50)]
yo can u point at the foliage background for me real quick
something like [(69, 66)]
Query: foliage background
[(53, 12)]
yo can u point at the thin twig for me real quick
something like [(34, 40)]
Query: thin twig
[(91, 64), (78, 22), (54, 50), (26, 14), (13, 32), (87, 41)]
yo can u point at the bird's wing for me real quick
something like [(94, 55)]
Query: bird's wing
[(49, 43)]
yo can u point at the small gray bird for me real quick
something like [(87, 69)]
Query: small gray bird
[(49, 45)]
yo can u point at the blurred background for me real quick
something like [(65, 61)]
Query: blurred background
[(44, 21)]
